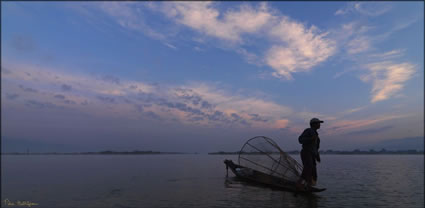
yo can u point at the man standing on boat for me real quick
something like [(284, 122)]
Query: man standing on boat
[(310, 153)]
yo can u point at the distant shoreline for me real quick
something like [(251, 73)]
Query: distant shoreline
[(99, 153), (336, 152), (327, 152)]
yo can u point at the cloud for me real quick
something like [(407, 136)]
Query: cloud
[(370, 131), (187, 94), (11, 96), (182, 107), (38, 104), (191, 104), (305, 116), (196, 48), (352, 38), (60, 96), (389, 55), (206, 105), (297, 49), (388, 78), (106, 99), (66, 87), (256, 117), (399, 25), (308, 42), (217, 116), (230, 102), (365, 8), (170, 46), (341, 11), (281, 124), (250, 57), (405, 23), (303, 50), (342, 126), (139, 107), (69, 102), (128, 15), (194, 104), (111, 79), (228, 108), (28, 89), (204, 18), (358, 45), (348, 31), (290, 46), (193, 111), (383, 69), (372, 8), (152, 115), (353, 110)]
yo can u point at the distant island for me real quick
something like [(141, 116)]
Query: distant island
[(339, 152), (108, 152)]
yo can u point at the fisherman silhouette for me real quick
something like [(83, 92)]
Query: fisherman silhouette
[(309, 154)]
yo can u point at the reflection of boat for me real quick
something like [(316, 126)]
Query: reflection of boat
[(262, 161)]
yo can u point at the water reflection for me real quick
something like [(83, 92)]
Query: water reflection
[(307, 201), (256, 195), (197, 181)]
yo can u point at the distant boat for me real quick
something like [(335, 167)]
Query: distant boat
[(262, 161)]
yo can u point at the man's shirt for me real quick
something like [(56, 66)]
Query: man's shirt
[(306, 139)]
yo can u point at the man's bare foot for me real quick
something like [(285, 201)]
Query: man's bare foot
[(313, 182)]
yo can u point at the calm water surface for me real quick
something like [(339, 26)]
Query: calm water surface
[(200, 181)]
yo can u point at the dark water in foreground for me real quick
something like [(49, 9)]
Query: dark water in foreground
[(200, 181)]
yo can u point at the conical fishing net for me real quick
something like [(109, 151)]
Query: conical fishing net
[(263, 154)]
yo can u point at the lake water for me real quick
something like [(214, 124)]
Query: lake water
[(200, 181)]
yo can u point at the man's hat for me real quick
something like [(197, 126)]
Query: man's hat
[(315, 120)]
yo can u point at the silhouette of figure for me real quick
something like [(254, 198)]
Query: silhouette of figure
[(310, 153)]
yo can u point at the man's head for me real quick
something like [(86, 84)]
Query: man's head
[(315, 123)]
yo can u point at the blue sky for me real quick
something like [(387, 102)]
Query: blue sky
[(206, 76)]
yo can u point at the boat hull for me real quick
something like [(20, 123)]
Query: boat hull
[(250, 175)]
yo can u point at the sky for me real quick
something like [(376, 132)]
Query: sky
[(207, 76)]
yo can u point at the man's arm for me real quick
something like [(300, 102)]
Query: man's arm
[(318, 146)]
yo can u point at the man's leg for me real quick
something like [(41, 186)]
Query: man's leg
[(307, 166), (314, 173)]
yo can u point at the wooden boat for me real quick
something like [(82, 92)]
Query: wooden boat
[(253, 176), (262, 161)]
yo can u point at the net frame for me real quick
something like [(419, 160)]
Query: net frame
[(284, 162)]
